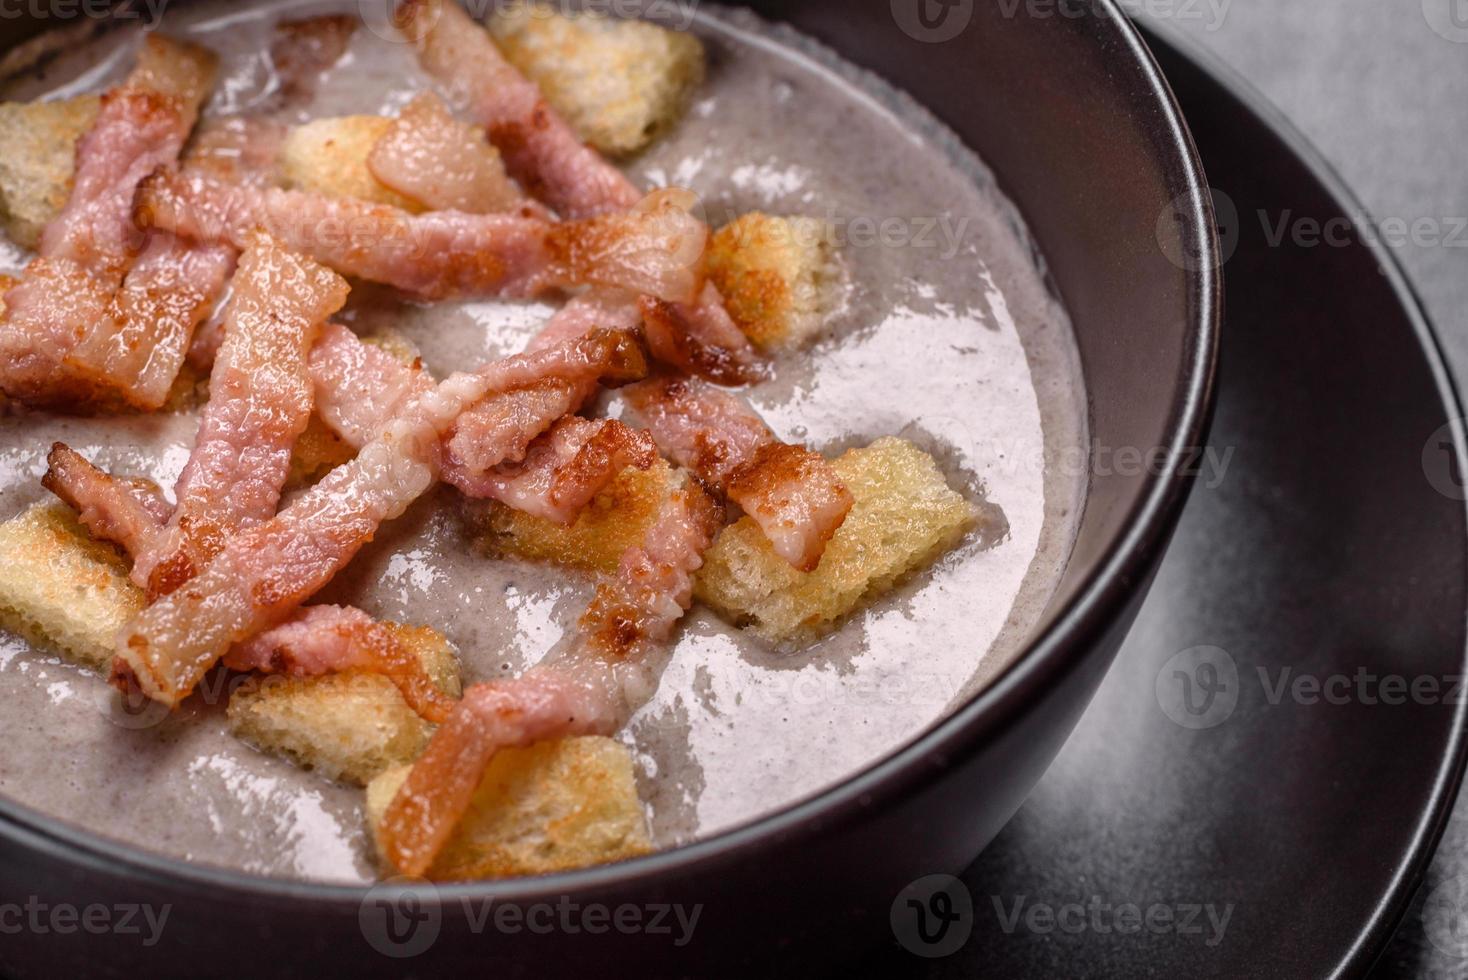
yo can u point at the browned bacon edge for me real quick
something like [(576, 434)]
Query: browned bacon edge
[(127, 512), (565, 468), (657, 248), (302, 50), (321, 640), (792, 493)]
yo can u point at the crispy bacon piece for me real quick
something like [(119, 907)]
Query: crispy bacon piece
[(793, 494), (701, 339), (173, 287), (301, 52), (565, 468), (263, 573), (442, 163), (539, 147), (67, 296), (499, 428), (358, 386), (126, 511), (333, 639), (260, 401), (655, 249), (590, 686)]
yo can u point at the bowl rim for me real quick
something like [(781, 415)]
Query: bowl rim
[(1067, 641)]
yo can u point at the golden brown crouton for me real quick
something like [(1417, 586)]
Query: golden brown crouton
[(61, 589), (318, 451), (39, 161), (905, 516), (615, 520), (619, 83), (551, 807), (329, 156), (349, 726), (778, 276)]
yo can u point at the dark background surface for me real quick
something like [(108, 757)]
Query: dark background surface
[(1384, 97)]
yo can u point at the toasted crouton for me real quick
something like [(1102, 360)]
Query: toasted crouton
[(318, 451), (619, 83), (349, 726), (329, 156), (615, 520), (905, 516), (39, 161), (62, 590), (778, 277), (551, 807)]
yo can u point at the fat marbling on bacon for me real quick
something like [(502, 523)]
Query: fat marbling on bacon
[(539, 147), (657, 247), (260, 401), (444, 164), (792, 493), (590, 685)]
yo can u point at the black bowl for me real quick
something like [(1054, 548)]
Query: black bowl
[(1075, 119)]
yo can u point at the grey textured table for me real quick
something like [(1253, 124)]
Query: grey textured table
[(1381, 87)]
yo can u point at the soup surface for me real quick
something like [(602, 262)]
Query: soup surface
[(947, 336)]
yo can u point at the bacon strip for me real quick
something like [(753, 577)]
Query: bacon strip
[(655, 249), (793, 494), (173, 287), (260, 401), (500, 427), (442, 163), (359, 387), (539, 147), (589, 687), (66, 300), (127, 512), (566, 467), (263, 573), (332, 639)]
